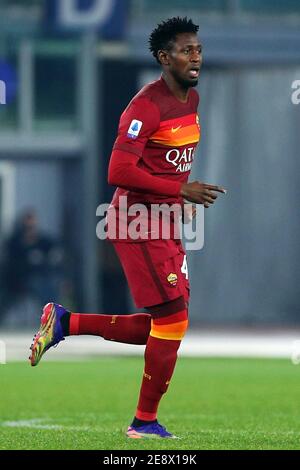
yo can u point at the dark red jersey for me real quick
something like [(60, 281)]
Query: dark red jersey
[(162, 133)]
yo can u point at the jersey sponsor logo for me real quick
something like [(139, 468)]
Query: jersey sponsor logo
[(175, 129), (134, 129), (181, 160), (172, 279)]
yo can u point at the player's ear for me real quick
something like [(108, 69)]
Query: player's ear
[(163, 57)]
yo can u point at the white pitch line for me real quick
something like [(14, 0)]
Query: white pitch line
[(38, 424)]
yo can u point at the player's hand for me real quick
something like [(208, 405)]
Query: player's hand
[(201, 193)]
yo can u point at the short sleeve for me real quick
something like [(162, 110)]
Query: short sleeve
[(138, 122)]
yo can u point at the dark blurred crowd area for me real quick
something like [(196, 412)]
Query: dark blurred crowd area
[(34, 270)]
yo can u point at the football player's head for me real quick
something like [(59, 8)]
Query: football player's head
[(175, 45)]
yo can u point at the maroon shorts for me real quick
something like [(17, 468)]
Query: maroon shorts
[(156, 270)]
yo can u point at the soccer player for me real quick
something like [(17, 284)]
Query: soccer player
[(150, 163)]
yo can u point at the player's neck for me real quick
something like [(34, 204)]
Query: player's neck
[(180, 92)]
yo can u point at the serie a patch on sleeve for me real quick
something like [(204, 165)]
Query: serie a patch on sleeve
[(134, 129)]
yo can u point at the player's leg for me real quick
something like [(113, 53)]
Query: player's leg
[(130, 329), (169, 292), (57, 323), (169, 324)]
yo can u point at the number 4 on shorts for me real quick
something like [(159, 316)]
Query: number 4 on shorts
[(184, 268)]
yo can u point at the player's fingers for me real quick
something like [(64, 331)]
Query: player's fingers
[(210, 194), (206, 205), (215, 188), (207, 197)]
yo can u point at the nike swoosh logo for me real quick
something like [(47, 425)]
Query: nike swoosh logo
[(176, 129)]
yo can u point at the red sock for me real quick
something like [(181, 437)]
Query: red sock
[(160, 360), (131, 329)]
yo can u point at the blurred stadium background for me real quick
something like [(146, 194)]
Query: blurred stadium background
[(70, 68)]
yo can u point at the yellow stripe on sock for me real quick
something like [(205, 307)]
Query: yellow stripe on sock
[(173, 331)]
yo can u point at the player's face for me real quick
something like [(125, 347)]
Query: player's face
[(185, 59)]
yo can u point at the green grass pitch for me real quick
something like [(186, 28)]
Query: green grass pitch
[(211, 404)]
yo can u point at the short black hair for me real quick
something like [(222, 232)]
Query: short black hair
[(166, 32)]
